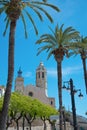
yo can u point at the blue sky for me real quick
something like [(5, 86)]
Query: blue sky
[(73, 13)]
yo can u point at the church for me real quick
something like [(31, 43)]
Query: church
[(39, 91)]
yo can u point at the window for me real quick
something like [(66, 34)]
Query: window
[(30, 94), (38, 74), (51, 103), (42, 74)]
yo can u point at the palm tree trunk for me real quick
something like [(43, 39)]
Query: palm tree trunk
[(59, 73), (85, 72), (4, 112)]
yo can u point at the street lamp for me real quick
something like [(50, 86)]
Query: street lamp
[(73, 91)]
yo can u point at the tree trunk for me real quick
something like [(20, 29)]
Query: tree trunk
[(44, 124), (29, 120), (59, 74), (30, 125), (17, 124), (85, 72), (9, 122), (52, 126), (4, 112), (23, 122)]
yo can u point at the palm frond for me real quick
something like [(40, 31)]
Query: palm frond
[(44, 11), (47, 40), (7, 24), (43, 48), (68, 30), (44, 0), (61, 30), (37, 6), (2, 9), (5, 18), (56, 33), (60, 38), (38, 13), (70, 33), (50, 53), (29, 16), (50, 38), (71, 37), (35, 10), (49, 47), (51, 30), (24, 23), (3, 2), (46, 4), (42, 40)]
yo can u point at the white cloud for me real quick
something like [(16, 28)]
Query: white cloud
[(52, 72), (27, 74), (65, 71), (71, 70)]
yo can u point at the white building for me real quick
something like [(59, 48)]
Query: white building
[(2, 91)]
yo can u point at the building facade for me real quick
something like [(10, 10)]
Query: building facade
[(2, 91), (39, 91)]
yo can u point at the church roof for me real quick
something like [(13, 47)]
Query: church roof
[(41, 66), (20, 72)]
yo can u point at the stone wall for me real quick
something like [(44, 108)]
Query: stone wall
[(68, 127)]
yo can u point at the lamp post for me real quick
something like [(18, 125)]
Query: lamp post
[(73, 91)]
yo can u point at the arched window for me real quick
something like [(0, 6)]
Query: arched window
[(30, 94), (38, 74), (51, 102), (42, 74)]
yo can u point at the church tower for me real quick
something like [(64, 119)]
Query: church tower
[(19, 82), (41, 77)]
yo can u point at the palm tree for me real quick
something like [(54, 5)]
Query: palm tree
[(15, 9), (57, 44), (80, 47)]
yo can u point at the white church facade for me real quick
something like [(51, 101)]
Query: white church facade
[(39, 91)]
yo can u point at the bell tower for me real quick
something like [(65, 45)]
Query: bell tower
[(19, 82), (41, 77)]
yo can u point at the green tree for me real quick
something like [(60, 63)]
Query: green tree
[(22, 107), (52, 111), (33, 111), (39, 110), (19, 106), (13, 10), (57, 44), (80, 47), (45, 111)]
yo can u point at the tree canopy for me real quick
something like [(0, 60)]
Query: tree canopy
[(21, 105)]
